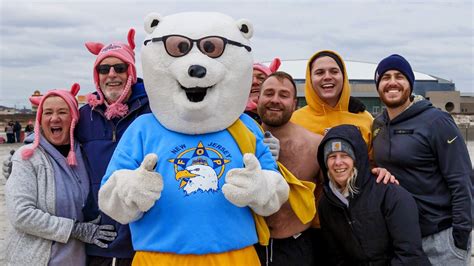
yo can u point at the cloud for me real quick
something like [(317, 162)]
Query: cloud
[(42, 42)]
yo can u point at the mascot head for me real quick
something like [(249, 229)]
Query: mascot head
[(197, 69)]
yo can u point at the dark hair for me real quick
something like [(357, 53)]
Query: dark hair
[(280, 76), (331, 55)]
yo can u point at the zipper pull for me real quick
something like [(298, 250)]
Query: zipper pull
[(114, 136)]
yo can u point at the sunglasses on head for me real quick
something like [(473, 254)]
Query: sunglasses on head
[(118, 68), (212, 46)]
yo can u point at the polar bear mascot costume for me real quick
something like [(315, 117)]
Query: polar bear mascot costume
[(193, 177)]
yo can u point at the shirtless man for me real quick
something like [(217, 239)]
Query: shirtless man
[(291, 241)]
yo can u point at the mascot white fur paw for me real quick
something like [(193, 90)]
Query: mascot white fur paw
[(249, 187), (197, 71), (132, 191)]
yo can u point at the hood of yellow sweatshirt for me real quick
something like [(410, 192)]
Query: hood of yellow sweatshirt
[(318, 116), (312, 98)]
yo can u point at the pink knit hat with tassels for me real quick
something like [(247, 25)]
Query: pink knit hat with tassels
[(70, 98), (267, 70), (125, 53)]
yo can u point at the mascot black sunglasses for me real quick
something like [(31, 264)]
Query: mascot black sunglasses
[(212, 46)]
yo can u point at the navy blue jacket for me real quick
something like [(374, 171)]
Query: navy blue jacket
[(425, 150), (380, 225), (99, 137)]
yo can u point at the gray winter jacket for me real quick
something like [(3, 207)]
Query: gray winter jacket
[(30, 199)]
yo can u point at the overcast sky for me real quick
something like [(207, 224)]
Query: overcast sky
[(42, 42)]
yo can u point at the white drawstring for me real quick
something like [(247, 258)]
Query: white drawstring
[(271, 249), (266, 255), (271, 252)]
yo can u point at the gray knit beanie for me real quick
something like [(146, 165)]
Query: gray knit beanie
[(334, 145)]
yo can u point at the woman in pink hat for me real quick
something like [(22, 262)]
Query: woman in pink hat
[(48, 188)]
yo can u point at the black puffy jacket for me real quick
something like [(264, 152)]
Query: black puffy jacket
[(380, 225)]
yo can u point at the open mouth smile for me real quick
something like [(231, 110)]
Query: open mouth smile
[(327, 86), (274, 109), (56, 130), (196, 94)]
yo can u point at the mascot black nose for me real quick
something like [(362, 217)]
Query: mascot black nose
[(197, 71)]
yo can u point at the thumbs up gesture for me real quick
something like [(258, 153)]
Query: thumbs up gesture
[(264, 191), (127, 194)]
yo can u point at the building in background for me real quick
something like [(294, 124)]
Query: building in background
[(442, 93), (452, 101), (81, 99)]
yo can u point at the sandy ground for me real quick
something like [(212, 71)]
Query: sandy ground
[(5, 224)]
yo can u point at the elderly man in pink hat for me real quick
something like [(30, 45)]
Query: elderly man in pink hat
[(119, 99)]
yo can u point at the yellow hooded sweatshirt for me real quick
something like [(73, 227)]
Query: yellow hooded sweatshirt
[(319, 117)]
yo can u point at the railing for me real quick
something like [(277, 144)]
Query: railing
[(467, 132)]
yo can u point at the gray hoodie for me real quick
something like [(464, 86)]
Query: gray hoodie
[(32, 199)]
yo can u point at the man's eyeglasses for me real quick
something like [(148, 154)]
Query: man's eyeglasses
[(212, 46), (118, 68)]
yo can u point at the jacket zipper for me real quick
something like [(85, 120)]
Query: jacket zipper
[(114, 127), (347, 216)]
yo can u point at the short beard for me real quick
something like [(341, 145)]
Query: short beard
[(405, 97), (398, 103), (112, 97), (274, 121)]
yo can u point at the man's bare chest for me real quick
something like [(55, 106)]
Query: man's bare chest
[(300, 158)]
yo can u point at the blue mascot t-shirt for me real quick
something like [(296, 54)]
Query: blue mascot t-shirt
[(192, 216)]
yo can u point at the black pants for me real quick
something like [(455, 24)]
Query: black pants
[(105, 261), (320, 249), (288, 251), (10, 138)]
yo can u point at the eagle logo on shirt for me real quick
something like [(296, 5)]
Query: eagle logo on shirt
[(198, 169)]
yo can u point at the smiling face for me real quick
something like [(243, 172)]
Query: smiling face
[(56, 120), (112, 84), (257, 79), (394, 89), (340, 166), (327, 79), (277, 101)]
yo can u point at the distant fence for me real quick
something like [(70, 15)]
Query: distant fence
[(465, 124), (467, 133)]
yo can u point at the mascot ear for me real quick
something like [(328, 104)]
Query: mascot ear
[(94, 47), (245, 28), (151, 21)]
